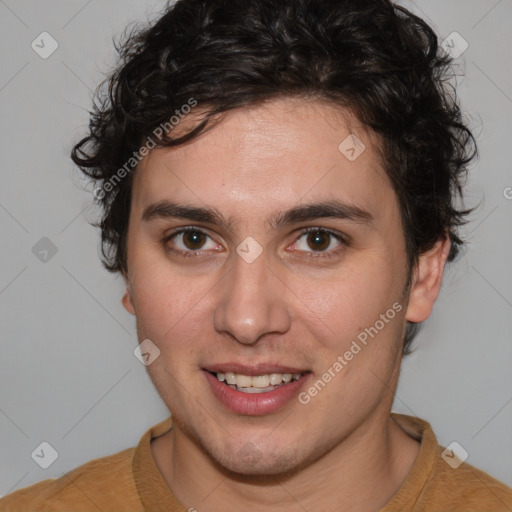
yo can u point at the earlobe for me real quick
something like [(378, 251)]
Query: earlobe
[(427, 280), (127, 301)]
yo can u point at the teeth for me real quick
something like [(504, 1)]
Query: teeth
[(257, 383), (244, 381), (255, 390), (276, 378)]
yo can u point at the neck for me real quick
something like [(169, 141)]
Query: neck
[(361, 473)]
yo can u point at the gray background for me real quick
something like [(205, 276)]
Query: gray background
[(68, 373)]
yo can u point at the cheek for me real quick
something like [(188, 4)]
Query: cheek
[(341, 306), (169, 307)]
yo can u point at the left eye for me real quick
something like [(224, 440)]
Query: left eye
[(320, 240)]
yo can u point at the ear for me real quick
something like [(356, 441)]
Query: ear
[(427, 280), (127, 298)]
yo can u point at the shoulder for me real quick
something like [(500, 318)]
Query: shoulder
[(440, 480), (468, 488), (106, 483)]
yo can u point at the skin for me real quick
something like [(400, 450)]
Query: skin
[(287, 307)]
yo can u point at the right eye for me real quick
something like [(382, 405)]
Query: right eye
[(187, 241)]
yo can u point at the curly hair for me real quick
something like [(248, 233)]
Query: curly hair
[(371, 56)]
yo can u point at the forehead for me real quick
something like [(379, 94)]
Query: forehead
[(264, 157)]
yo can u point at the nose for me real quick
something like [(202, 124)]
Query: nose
[(251, 302)]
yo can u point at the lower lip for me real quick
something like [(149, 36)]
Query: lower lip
[(254, 404)]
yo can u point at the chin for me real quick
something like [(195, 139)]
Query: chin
[(252, 461), (261, 466)]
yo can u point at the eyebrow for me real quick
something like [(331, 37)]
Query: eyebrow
[(336, 209)]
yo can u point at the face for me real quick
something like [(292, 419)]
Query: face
[(251, 285)]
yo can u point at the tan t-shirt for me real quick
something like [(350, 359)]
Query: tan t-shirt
[(130, 481)]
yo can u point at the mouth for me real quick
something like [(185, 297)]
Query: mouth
[(256, 383), (255, 390)]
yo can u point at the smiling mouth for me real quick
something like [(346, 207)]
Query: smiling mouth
[(256, 383)]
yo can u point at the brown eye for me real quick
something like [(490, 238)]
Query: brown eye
[(193, 240), (189, 241), (318, 240)]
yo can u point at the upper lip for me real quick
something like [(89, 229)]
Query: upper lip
[(253, 369)]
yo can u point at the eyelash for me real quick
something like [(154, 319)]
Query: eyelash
[(305, 231)]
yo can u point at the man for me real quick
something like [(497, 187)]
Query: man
[(278, 183)]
